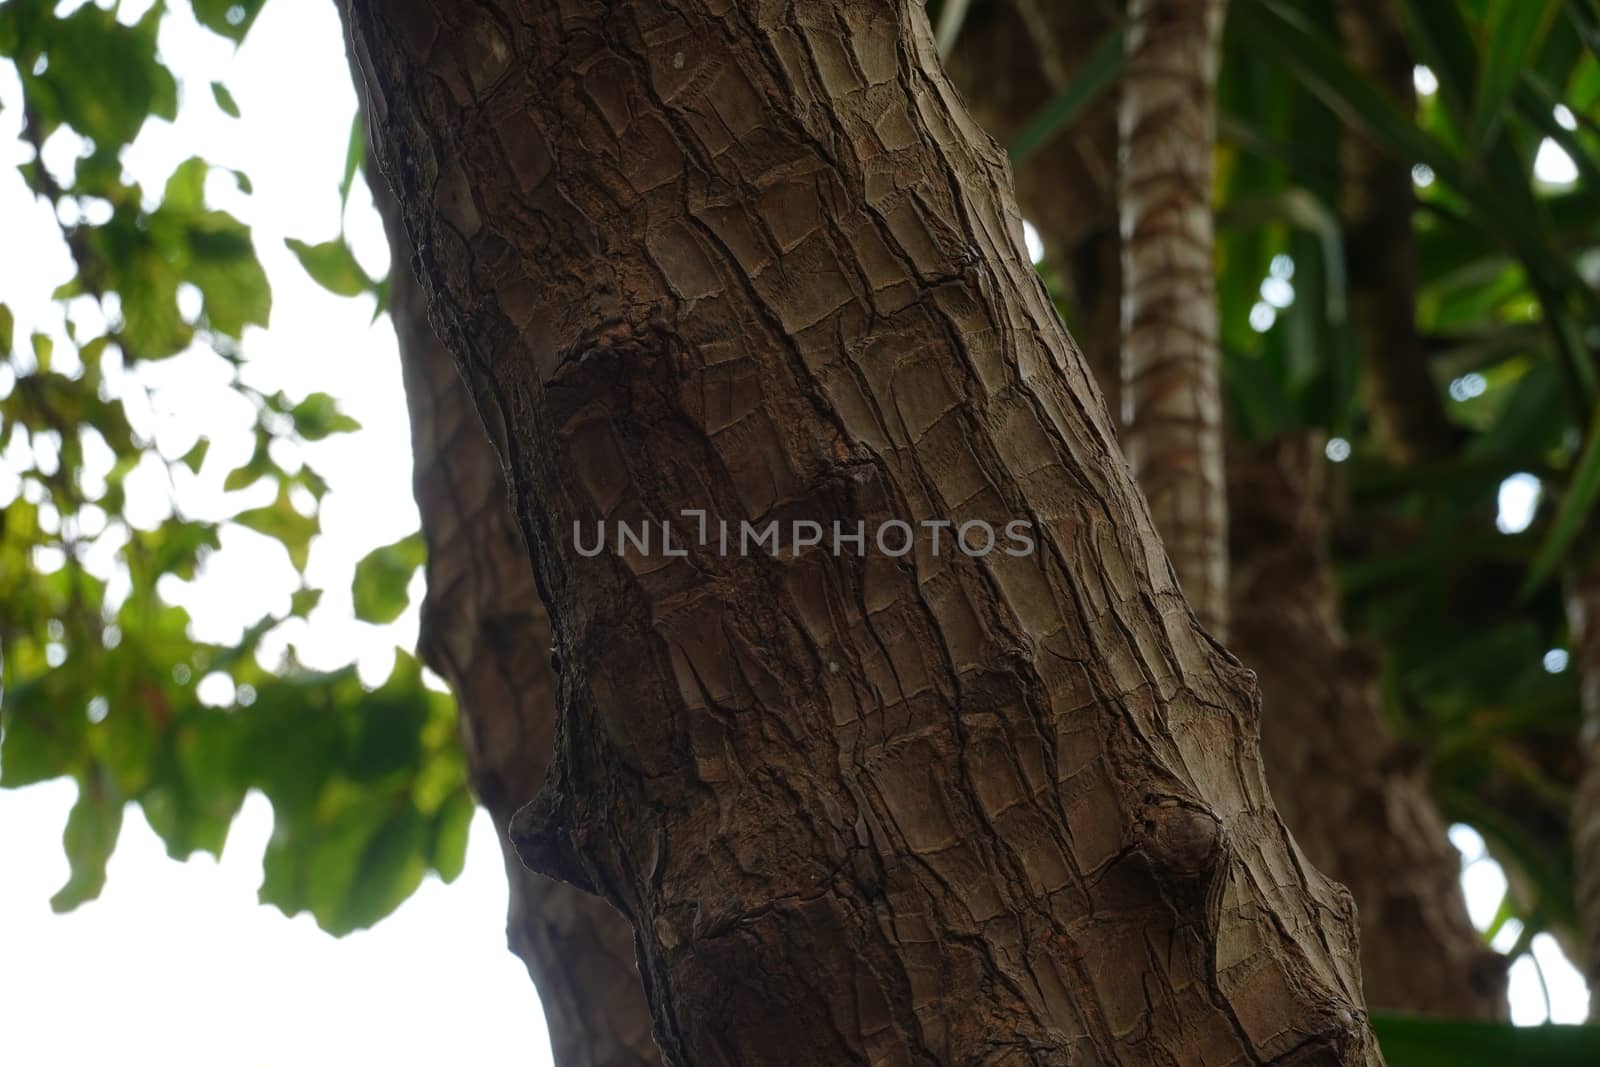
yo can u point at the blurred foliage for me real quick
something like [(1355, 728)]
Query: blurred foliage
[(102, 673)]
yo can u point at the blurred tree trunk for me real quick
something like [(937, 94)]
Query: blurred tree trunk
[(1171, 362), (928, 810), (485, 631), (1376, 202), (1583, 614), (1357, 805), (1401, 867)]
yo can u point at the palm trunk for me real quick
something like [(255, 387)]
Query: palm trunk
[(756, 261), (1381, 260), (1172, 392), (1358, 806), (485, 631), (1583, 615)]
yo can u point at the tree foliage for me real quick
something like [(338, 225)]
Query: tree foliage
[(103, 672)]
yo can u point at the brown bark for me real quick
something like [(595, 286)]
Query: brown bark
[(1011, 59), (756, 259), (1583, 616), (1171, 362), (1376, 201), (485, 632), (1358, 805)]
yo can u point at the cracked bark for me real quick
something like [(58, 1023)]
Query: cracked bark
[(485, 632), (1171, 363), (1357, 803), (1583, 616), (756, 259)]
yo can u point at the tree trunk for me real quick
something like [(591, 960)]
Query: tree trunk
[(755, 260), (1377, 200), (485, 631), (1583, 615), (1357, 805), (1171, 363), (1009, 60)]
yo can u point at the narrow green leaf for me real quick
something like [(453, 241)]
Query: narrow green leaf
[(1514, 29), (1576, 504), (8, 326), (353, 156), (1099, 71)]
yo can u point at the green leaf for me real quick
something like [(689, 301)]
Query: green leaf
[(197, 455), (281, 521), (318, 416), (379, 588), (8, 326), (1576, 504), (90, 836), (353, 156), (450, 831), (1451, 1043), (231, 18), (1099, 71), (224, 99), (331, 266), (1515, 29)]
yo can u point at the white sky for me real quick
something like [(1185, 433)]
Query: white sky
[(177, 964)]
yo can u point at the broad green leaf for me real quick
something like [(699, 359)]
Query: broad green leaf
[(281, 521), (318, 416), (331, 266), (230, 18), (379, 588)]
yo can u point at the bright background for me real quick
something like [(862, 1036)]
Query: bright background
[(177, 964)]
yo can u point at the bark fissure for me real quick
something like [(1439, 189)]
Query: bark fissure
[(933, 810)]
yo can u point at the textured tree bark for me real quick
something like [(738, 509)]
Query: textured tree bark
[(756, 260), (1583, 615), (1011, 58), (1171, 363), (1358, 806), (485, 632), (1376, 201)]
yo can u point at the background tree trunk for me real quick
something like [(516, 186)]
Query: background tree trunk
[(1421, 954), (485, 631), (1583, 614), (756, 260), (1171, 363), (1377, 200), (1358, 805)]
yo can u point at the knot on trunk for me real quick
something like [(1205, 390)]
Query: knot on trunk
[(1181, 839), (544, 841)]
